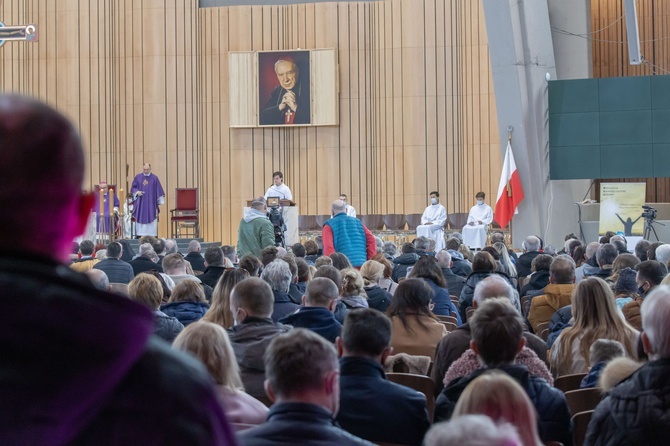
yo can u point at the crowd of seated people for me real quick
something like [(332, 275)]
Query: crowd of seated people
[(283, 351)]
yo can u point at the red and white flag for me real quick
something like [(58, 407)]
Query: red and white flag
[(510, 192)]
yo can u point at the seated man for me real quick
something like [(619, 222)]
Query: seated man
[(116, 269), (479, 219), (404, 261), (251, 304), (79, 365), (433, 220), (145, 260), (214, 267), (278, 275), (393, 413), (316, 313), (303, 382), (87, 261), (556, 295), (175, 267), (454, 282), (194, 257), (634, 412), (497, 337), (531, 249)]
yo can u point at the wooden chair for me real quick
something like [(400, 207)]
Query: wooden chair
[(451, 326), (566, 383), (321, 220), (420, 383), (541, 327), (580, 423), (582, 400), (457, 220), (185, 214), (544, 334), (374, 222), (451, 319), (468, 313)]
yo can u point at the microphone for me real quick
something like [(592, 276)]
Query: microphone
[(274, 188)]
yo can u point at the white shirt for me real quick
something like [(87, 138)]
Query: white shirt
[(480, 212), (282, 191), (435, 214), (351, 212)]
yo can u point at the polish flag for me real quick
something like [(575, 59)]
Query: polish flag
[(510, 192)]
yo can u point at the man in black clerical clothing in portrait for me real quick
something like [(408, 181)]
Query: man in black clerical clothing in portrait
[(289, 102)]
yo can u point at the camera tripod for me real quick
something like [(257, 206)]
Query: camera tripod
[(649, 227)]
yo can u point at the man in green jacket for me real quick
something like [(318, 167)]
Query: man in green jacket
[(255, 232)]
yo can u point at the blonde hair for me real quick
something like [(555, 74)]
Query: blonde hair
[(352, 283), (372, 271), (496, 395), (188, 291), (147, 290), (219, 312), (210, 344), (596, 317)]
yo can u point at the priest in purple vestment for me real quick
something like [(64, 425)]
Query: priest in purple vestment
[(106, 213), (148, 195)]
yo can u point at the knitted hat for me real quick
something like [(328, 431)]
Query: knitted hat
[(626, 281)]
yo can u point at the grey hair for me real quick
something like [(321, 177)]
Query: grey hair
[(531, 243), (493, 286), (390, 248), (170, 246), (380, 244), (663, 254), (145, 248), (338, 207), (193, 246), (443, 258), (98, 278), (472, 430), (655, 313), (278, 275)]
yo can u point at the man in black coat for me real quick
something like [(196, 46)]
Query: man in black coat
[(531, 249), (454, 283), (79, 365), (404, 261), (316, 313), (194, 257), (214, 268), (497, 337), (392, 413), (116, 269)]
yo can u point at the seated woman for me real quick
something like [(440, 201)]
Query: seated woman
[(501, 398), (386, 282), (219, 313), (595, 317), (352, 292), (210, 344), (148, 291), (483, 266), (415, 329), (427, 268), (378, 298), (187, 302)]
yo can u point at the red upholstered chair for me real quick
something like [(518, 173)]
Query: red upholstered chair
[(185, 214)]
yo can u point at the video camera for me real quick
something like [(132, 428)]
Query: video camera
[(649, 212), (277, 219)]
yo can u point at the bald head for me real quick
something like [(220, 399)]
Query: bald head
[(42, 169), (531, 243), (338, 207), (98, 278), (321, 292), (492, 286)]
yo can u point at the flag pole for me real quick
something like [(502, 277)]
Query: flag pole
[(510, 129)]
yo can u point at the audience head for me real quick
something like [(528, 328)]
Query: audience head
[(453, 243), (311, 248), (641, 249), (269, 254), (329, 272), (145, 248), (100, 254), (278, 275), (146, 290), (114, 250), (626, 282), (194, 246), (492, 286), (159, 245), (484, 262), (292, 266), (592, 249), (649, 275), (579, 255), (494, 252), (170, 246), (340, 261), (421, 243), (655, 314), (620, 246), (365, 332), (604, 350), (219, 313), (472, 430), (259, 204), (562, 270), (37, 139), (214, 256), (251, 297), (390, 249), (531, 244), (497, 332), (174, 264), (251, 264), (321, 292), (541, 262), (188, 291), (230, 253), (303, 269), (427, 268), (412, 298), (379, 243), (651, 254), (98, 278), (443, 259), (624, 261), (298, 250), (338, 207), (210, 344), (497, 237), (388, 268), (498, 396), (301, 366), (467, 254), (86, 248), (663, 254), (372, 272), (323, 261), (407, 248), (352, 283)]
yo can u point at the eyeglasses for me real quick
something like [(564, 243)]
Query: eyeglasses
[(431, 305)]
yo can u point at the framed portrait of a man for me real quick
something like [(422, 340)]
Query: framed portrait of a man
[(284, 88)]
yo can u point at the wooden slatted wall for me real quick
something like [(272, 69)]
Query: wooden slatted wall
[(147, 81), (610, 58)]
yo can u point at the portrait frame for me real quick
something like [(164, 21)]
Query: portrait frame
[(271, 92)]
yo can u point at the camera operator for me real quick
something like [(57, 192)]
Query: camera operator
[(277, 219), (256, 231)]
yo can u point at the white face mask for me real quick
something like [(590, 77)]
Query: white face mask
[(480, 202), (433, 201)]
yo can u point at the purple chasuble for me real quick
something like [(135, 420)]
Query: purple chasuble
[(146, 206)]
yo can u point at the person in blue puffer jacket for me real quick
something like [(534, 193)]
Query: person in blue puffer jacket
[(187, 302)]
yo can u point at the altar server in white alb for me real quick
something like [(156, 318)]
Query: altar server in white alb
[(479, 218), (278, 188), (432, 222)]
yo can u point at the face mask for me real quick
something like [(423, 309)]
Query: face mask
[(480, 202), (433, 201)]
